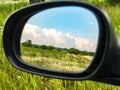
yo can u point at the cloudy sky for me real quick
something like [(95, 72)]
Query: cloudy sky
[(56, 38), (64, 27)]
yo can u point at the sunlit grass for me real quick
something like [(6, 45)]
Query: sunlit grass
[(114, 14), (56, 64), (54, 59)]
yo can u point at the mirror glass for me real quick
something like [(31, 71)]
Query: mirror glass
[(61, 38)]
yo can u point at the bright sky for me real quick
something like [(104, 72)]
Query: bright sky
[(67, 27)]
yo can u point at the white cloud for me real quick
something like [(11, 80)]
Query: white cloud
[(54, 37), (85, 45)]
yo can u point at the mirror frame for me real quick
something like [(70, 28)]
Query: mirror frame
[(99, 67), (92, 14)]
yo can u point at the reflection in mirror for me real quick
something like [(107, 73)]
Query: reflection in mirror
[(61, 38)]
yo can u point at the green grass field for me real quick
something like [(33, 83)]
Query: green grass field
[(13, 79), (55, 59)]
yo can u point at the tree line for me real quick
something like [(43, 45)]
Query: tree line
[(75, 51)]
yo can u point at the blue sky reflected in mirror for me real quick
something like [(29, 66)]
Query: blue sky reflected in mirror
[(78, 23)]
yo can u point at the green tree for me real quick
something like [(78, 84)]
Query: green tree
[(35, 45), (43, 46), (27, 43), (50, 47), (73, 51)]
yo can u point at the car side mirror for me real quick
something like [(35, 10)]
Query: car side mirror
[(63, 39)]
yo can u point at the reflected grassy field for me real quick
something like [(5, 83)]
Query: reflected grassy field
[(55, 60)]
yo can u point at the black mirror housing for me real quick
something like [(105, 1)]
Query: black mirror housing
[(105, 65)]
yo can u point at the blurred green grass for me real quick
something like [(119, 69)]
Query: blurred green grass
[(13, 79)]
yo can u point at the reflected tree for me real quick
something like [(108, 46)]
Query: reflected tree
[(27, 43), (73, 51)]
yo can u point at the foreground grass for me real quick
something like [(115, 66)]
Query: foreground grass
[(114, 14), (13, 79)]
